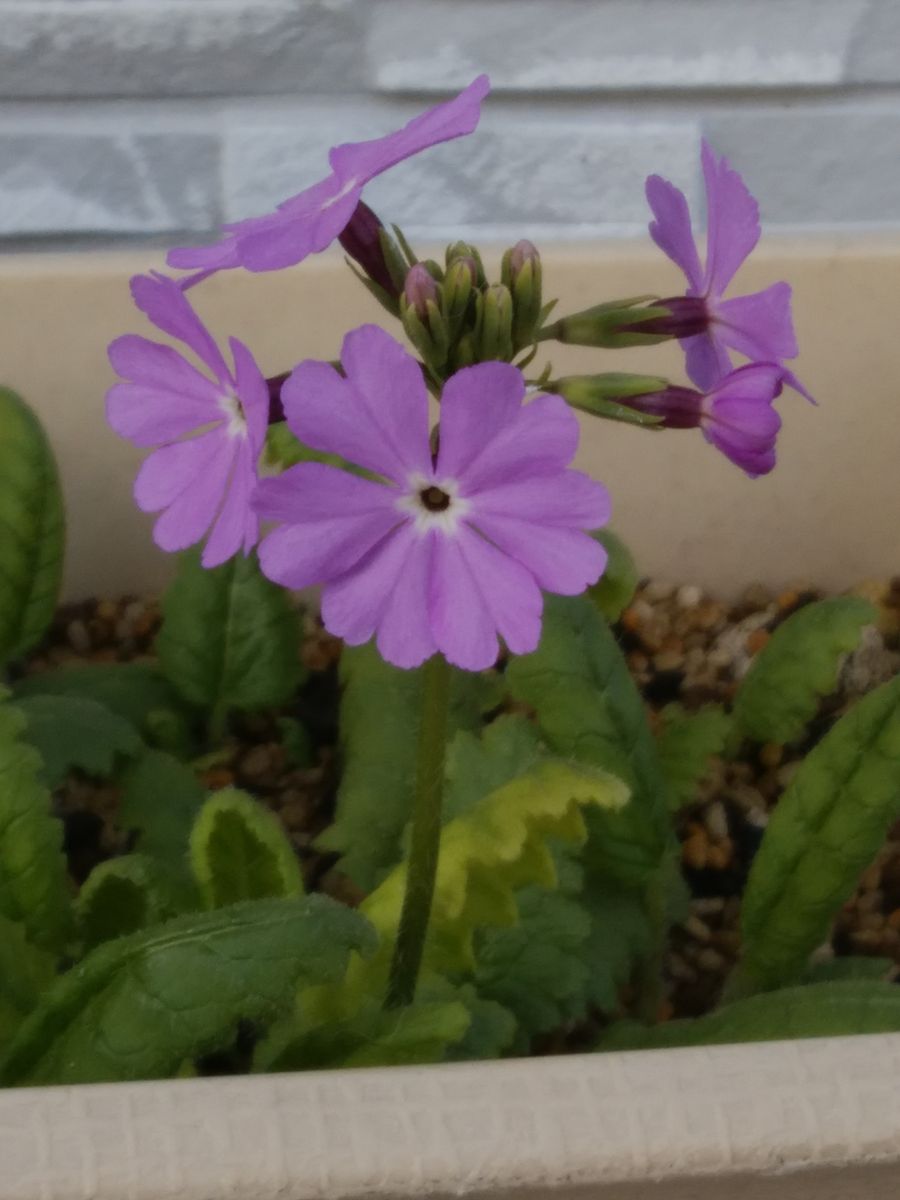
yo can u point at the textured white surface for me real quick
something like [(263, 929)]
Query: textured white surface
[(583, 1125), (244, 97)]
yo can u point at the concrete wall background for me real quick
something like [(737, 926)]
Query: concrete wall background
[(126, 120)]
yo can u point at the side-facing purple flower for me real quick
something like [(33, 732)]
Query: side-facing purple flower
[(759, 325), (309, 222), (452, 549), (202, 483), (736, 415)]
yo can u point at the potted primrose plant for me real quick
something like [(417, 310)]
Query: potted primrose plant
[(495, 869)]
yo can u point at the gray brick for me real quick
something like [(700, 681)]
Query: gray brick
[(817, 166), (601, 45), (108, 183), (513, 175), (176, 47), (875, 50)]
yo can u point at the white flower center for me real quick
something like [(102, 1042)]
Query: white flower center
[(234, 411), (434, 504)]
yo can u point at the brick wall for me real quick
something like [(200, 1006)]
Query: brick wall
[(150, 119)]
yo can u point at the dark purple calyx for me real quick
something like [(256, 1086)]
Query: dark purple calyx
[(276, 408), (687, 316), (679, 407)]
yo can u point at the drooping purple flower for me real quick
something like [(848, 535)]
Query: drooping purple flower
[(736, 415), (209, 431), (451, 550), (309, 222), (759, 325)]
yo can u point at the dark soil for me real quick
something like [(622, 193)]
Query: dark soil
[(682, 645)]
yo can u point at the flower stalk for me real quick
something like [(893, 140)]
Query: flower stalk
[(425, 835)]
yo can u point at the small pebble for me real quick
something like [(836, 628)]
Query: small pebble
[(688, 596), (78, 637), (716, 820)]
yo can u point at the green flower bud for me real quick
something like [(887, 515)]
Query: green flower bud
[(612, 326), (494, 325), (422, 318), (522, 274), (465, 250), (456, 294), (609, 395)]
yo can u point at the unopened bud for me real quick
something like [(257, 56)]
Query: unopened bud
[(613, 326), (522, 274), (682, 317), (635, 399), (422, 319), (494, 325), (368, 243), (467, 251), (456, 294)]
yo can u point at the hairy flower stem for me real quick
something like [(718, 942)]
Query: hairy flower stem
[(425, 837)]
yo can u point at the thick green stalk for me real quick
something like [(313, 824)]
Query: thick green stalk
[(425, 835)]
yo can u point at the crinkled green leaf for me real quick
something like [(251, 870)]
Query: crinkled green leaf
[(589, 709), (615, 589), (780, 693), (73, 732), (478, 763), (239, 851), (32, 528), (161, 798), (135, 691), (121, 896), (136, 1007), (33, 885), (827, 827), (686, 743), (25, 972), (816, 1010), (620, 938), (230, 639), (380, 713)]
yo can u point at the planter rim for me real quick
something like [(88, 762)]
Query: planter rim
[(588, 1124)]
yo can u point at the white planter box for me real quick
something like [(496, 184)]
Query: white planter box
[(817, 1119)]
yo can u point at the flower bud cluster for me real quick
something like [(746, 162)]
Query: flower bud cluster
[(455, 317)]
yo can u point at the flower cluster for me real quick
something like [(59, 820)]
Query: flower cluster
[(442, 540)]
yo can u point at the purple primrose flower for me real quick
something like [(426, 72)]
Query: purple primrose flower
[(202, 483), (309, 222), (758, 326), (449, 550)]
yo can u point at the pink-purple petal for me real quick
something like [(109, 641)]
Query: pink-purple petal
[(461, 622), (189, 514), (166, 305), (353, 604), (298, 556), (390, 383), (477, 404), (706, 360), (317, 492), (569, 499), (173, 469), (148, 416), (565, 561), (759, 326), (540, 439), (237, 526), (509, 592), (253, 393), (671, 229), (733, 227), (141, 360), (404, 635)]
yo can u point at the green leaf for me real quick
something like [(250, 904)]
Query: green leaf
[(816, 1010), (25, 972), (478, 763), (32, 528), (827, 827), (380, 714), (800, 663), (616, 587), (230, 639), (121, 896), (686, 743), (137, 1007), (72, 732), (33, 885), (372, 1037), (491, 851), (620, 938), (849, 967), (239, 851), (589, 709)]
